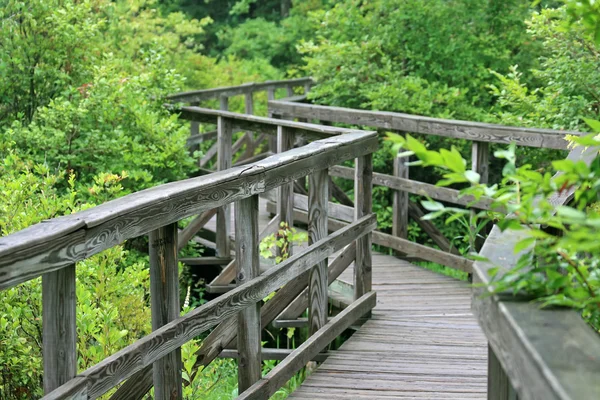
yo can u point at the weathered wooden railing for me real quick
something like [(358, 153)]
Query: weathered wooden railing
[(533, 353), (479, 133), (247, 144), (52, 248)]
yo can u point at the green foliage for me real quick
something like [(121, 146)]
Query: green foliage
[(558, 264), (285, 237)]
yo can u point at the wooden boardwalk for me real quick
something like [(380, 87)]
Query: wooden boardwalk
[(422, 341)]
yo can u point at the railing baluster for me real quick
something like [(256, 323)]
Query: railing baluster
[(225, 133), (285, 204), (249, 109), (499, 387), (59, 339), (223, 103), (363, 184), (290, 90), (317, 229), (480, 164), (272, 139), (249, 346), (164, 300), (400, 221)]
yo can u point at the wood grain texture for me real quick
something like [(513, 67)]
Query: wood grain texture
[(363, 204), (416, 187), (475, 131), (335, 269), (285, 202), (499, 387), (400, 214), (164, 301), (208, 94), (317, 230), (224, 162), (123, 364), (279, 375), (248, 326), (194, 226), (59, 324), (270, 354)]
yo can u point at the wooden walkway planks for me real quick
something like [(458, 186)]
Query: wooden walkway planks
[(422, 342)]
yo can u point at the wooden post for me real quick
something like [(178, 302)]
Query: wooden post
[(249, 109), (164, 301), (318, 194), (59, 338), (223, 103), (400, 217), (480, 164), (194, 130), (272, 138), (307, 87), (225, 133), (363, 201), (290, 90), (499, 387), (249, 346), (285, 203)]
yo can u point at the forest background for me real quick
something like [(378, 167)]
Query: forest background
[(82, 83)]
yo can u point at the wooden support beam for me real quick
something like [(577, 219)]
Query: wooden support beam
[(363, 200), (279, 375), (480, 164), (337, 266), (285, 203), (499, 387), (317, 230), (59, 325), (400, 215), (416, 213), (206, 261), (209, 155), (193, 227), (200, 138), (271, 354), (248, 329), (224, 162), (164, 300), (339, 194)]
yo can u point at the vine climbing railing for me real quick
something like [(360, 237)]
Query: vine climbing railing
[(52, 248)]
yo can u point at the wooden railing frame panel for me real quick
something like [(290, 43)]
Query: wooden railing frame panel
[(474, 131), (123, 364)]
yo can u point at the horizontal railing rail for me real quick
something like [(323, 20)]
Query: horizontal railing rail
[(52, 248), (534, 353), (481, 134)]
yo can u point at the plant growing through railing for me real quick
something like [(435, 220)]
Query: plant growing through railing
[(559, 262), (282, 240)]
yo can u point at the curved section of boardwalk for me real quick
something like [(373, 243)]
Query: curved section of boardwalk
[(421, 343)]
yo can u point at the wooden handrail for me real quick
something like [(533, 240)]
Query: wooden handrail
[(394, 121), (229, 91)]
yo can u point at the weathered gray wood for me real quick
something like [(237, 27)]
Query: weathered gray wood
[(340, 195), (120, 366), (337, 266), (200, 137), (432, 231), (410, 249), (253, 159), (59, 323), (208, 94), (400, 213), (209, 155), (258, 124), (224, 162), (285, 203), (363, 200), (271, 354), (475, 131), (229, 273), (317, 230), (223, 102), (193, 227), (279, 375), (246, 233), (480, 164), (164, 299), (194, 129), (499, 387), (547, 354), (50, 245), (206, 261), (290, 90), (416, 187)]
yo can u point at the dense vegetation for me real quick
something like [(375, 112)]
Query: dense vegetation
[(82, 83)]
